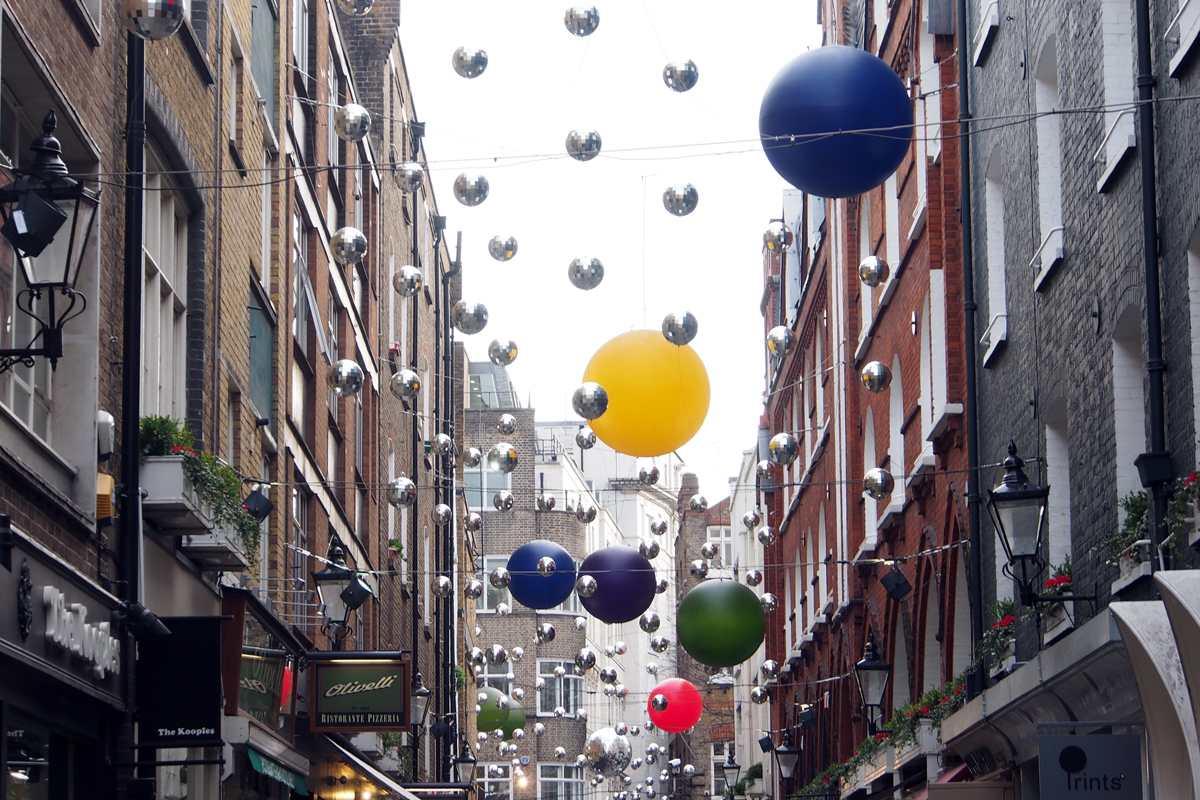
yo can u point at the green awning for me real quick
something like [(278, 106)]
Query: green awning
[(273, 769)]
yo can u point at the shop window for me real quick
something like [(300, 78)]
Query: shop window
[(268, 678)]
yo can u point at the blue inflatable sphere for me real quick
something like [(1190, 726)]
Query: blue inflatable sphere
[(532, 589), (624, 584), (821, 93)]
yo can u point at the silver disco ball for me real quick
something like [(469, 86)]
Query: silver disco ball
[(499, 577), (546, 566), (770, 669), (405, 384), (585, 659), (764, 469), (659, 702), (469, 318), (649, 550), (545, 502), (658, 527), (469, 62), (699, 569), (783, 448), (607, 753), (471, 457), (503, 500), (443, 445), (585, 273), (477, 657), (621, 648), (517, 654), (408, 281), (345, 377), (680, 327), (585, 513), (442, 515), (441, 586), (661, 586), (503, 610), (348, 245), (753, 577), (401, 492), (497, 655), (507, 424), (681, 199), (878, 483), (875, 376), (659, 644), (502, 248), (545, 633), (621, 729), (583, 145), (698, 504), (759, 695), (586, 586), (582, 20), (873, 271), (352, 122), (648, 475), (610, 651), (608, 676), (590, 401), (708, 550), (473, 590), (649, 622), (502, 458), (585, 437), (769, 602), (154, 20), (779, 341), (767, 537), (688, 770), (777, 237), (470, 190), (750, 519), (502, 352), (356, 8), (410, 177), (681, 75)]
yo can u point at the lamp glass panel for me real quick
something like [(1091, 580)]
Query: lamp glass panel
[(872, 683), (330, 592), (1022, 521), (52, 265), (730, 771), (787, 759), (417, 706)]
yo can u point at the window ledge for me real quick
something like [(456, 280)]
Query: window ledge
[(87, 24), (944, 416), (925, 463), (191, 43), (986, 33), (1115, 163), (994, 338), (1185, 48), (1048, 257), (867, 548), (920, 213), (892, 514), (864, 344)]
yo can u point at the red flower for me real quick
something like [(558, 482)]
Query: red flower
[(959, 690), (881, 736), (855, 755), (825, 779), (1058, 581), (924, 709), (1190, 479)]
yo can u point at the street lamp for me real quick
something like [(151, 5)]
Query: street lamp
[(872, 674), (787, 757), (47, 218), (1018, 510), (730, 770), (418, 705), (341, 591), (465, 762)]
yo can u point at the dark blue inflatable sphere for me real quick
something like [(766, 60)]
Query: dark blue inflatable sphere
[(532, 589), (825, 91), (624, 584)]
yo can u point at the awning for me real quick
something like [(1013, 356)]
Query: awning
[(273, 769), (366, 768), (952, 775)]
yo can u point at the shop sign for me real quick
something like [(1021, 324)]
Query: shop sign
[(260, 690), (179, 684), (365, 696), (1093, 767), (67, 628)]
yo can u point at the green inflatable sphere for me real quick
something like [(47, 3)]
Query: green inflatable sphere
[(721, 623), (516, 719), (491, 716)]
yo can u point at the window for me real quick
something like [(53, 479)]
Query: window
[(492, 596), (483, 390), (334, 101), (558, 782), (493, 781), (993, 201), (870, 506), (722, 536), (300, 308), (262, 52), (566, 691), (793, 278), (1129, 405), (571, 605), (262, 354), (333, 459), (264, 263), (496, 677), (165, 274), (25, 391), (237, 86), (718, 776), (335, 322), (1058, 477), (300, 23), (1049, 162), (1116, 35), (299, 536), (481, 484), (896, 422), (867, 293), (359, 433)]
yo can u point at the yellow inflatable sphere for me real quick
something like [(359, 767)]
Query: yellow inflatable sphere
[(657, 393)]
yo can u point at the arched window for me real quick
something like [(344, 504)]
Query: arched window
[(993, 200)]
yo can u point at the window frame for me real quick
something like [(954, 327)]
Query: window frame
[(568, 689)]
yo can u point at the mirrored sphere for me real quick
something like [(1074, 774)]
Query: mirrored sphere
[(545, 502), (750, 519), (681, 75), (652, 668), (497, 655), (502, 248), (769, 602), (783, 448), (471, 457), (585, 659), (873, 271), (658, 527), (608, 691), (681, 199), (545, 633), (539, 729), (779, 341), (408, 281), (659, 644), (352, 122), (688, 770), (759, 695), (649, 550), (583, 145), (648, 476), (503, 500), (539, 684), (469, 62), (560, 712), (585, 273), (582, 20), (621, 729), (610, 651), (699, 569), (154, 20), (478, 658), (878, 483), (469, 318), (698, 504), (470, 189), (590, 401), (766, 537), (621, 648), (402, 492), (473, 590), (503, 610), (442, 514), (649, 622), (622, 691), (586, 586), (608, 675), (345, 377), (348, 245), (585, 513), (753, 577), (876, 376), (502, 352), (506, 424), (356, 8), (764, 468), (680, 327), (659, 702), (499, 577), (559, 752), (661, 586), (482, 735), (441, 586), (410, 177), (502, 458), (709, 549), (443, 444), (777, 237), (517, 653), (585, 437), (546, 566), (770, 669)]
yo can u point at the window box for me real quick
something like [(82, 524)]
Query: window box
[(171, 504), (1134, 564), (1006, 661), (928, 743), (220, 549), (1058, 621)]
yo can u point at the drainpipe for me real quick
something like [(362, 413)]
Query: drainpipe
[(976, 681), (446, 661)]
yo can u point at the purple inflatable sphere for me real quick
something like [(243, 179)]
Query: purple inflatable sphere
[(624, 584)]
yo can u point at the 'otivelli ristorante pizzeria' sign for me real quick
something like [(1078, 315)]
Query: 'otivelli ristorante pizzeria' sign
[(371, 696)]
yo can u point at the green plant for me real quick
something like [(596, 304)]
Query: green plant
[(1003, 628), (398, 546), (1059, 583), (460, 678), (214, 482), (1136, 526), (1181, 510), (753, 773)]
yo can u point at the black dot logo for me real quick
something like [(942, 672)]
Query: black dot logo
[(1072, 759)]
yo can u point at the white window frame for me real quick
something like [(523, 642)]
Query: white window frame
[(491, 787), (481, 483), (722, 536), (569, 778), (996, 333), (492, 596), (566, 691), (164, 299)]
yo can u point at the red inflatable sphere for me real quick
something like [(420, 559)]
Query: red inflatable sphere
[(684, 705)]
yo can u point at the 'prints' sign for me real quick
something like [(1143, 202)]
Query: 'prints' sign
[(67, 627), (1094, 767)]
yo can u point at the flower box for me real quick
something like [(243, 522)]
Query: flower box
[(1134, 564), (1006, 660), (171, 505), (927, 744), (1058, 621), (220, 549)]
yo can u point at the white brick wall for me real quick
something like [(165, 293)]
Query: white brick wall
[(1116, 24), (895, 423), (1049, 144), (994, 208), (1058, 475), (1129, 407)]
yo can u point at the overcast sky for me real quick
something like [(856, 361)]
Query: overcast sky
[(510, 124)]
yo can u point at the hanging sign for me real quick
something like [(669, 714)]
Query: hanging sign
[(1093, 767), (370, 695), (179, 684)]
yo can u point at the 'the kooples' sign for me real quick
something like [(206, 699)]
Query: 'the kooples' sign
[(67, 627)]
